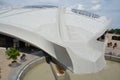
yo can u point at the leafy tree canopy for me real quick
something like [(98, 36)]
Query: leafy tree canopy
[(12, 53), (115, 31)]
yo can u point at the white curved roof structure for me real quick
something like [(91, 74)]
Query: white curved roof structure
[(67, 35)]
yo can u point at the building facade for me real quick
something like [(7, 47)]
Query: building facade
[(69, 36)]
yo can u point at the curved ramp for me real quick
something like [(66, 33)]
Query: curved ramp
[(66, 36)]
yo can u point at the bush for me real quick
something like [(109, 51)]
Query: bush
[(12, 53)]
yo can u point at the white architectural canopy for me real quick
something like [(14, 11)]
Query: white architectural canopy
[(70, 36)]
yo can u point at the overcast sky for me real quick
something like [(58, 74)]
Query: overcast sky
[(109, 8)]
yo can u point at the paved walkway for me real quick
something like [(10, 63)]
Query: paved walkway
[(42, 72), (111, 72), (7, 71)]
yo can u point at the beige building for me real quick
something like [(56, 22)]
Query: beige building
[(113, 44), (113, 38)]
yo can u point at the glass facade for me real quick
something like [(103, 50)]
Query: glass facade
[(86, 13)]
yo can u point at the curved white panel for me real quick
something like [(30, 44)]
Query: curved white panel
[(68, 37)]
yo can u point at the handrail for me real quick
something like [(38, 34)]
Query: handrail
[(112, 58), (26, 66)]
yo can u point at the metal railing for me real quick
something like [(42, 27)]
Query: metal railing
[(112, 58), (26, 68)]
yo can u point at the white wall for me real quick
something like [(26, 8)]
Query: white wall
[(68, 37)]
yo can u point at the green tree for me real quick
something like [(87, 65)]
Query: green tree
[(115, 31), (111, 31), (12, 53)]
